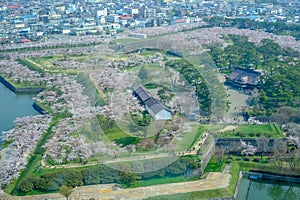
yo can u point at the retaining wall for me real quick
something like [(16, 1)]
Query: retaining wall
[(19, 90), (232, 145), (272, 177), (39, 109), (7, 84)]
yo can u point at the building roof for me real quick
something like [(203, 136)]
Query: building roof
[(156, 108), (151, 104), (244, 76), (144, 95), (137, 88)]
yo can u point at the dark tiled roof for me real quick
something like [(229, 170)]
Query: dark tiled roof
[(137, 88), (244, 76), (150, 102), (144, 96), (156, 108), (153, 105)]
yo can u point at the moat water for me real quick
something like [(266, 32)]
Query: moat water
[(12, 106), (268, 190)]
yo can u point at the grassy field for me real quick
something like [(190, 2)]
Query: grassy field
[(214, 165), (125, 40), (5, 143), (190, 138), (90, 90), (254, 130), (156, 181), (24, 84), (45, 64), (31, 66), (114, 133)]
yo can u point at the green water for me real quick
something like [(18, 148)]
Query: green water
[(13, 106), (268, 190)]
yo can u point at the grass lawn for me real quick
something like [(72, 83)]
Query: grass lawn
[(199, 132), (90, 90), (190, 138), (254, 130), (153, 67), (31, 65), (125, 40), (159, 180), (24, 84), (214, 165), (45, 64), (148, 53), (5, 143), (120, 137)]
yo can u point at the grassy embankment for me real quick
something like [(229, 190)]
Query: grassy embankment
[(254, 131)]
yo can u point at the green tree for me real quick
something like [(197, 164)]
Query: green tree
[(143, 74), (65, 191), (27, 184)]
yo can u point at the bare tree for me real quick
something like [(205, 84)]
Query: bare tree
[(293, 159), (219, 153), (280, 149), (262, 146)]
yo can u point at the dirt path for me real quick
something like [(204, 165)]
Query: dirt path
[(227, 128), (117, 160), (214, 180), (102, 95), (238, 100), (198, 145)]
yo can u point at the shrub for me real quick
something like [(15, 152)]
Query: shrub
[(251, 134), (256, 160), (242, 135), (247, 158)]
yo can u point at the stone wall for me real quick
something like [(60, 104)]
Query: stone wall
[(232, 145), (272, 177), (39, 109), (19, 90), (7, 84)]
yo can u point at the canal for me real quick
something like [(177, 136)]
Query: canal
[(268, 190), (12, 106)]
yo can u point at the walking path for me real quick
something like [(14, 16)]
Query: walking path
[(238, 100), (214, 180)]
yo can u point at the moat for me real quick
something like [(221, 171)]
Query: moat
[(268, 190), (12, 106)]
